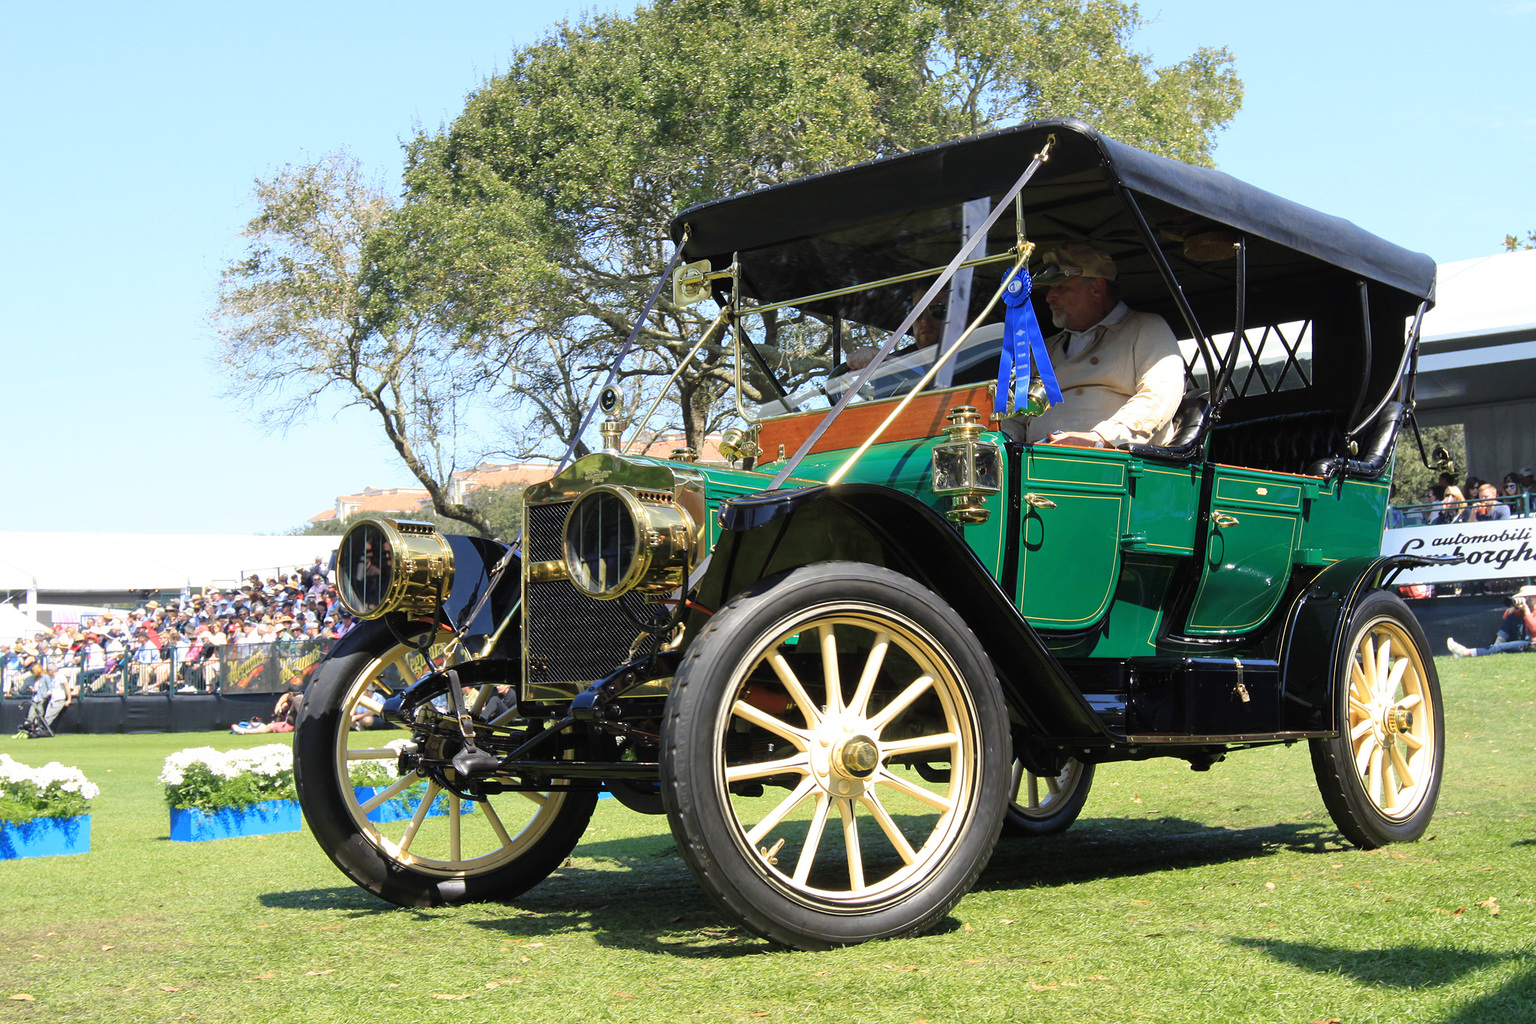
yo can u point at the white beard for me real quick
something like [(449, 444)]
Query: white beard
[(1059, 318)]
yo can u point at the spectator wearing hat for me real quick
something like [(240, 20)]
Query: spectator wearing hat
[(1516, 628), (1120, 371), (93, 661)]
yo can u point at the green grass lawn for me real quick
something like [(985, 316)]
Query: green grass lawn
[(1178, 896)]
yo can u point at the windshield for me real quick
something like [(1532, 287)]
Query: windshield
[(857, 284)]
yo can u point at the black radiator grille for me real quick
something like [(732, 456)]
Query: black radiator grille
[(541, 538), (572, 639)]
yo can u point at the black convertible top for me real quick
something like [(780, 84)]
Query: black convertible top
[(1081, 192)]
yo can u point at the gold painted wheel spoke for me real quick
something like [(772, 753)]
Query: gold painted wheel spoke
[(851, 845), (919, 686), (1359, 687), (763, 769), (1375, 776), (914, 744), (1411, 741), (833, 683), (414, 825), (1363, 754), (797, 692), (494, 820), (1409, 701), (927, 796), (371, 753), (757, 716), (455, 836), (385, 795), (1361, 728), (789, 803), (887, 825), (872, 665), (812, 838), (1400, 766), (1383, 663)]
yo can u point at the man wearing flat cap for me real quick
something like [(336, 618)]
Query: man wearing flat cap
[(1120, 372)]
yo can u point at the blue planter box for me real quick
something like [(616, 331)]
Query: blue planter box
[(265, 818), (45, 837), (403, 806)]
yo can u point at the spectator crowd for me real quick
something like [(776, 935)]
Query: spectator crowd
[(177, 646), (1478, 501)]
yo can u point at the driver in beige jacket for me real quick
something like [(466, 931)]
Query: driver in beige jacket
[(1120, 372)]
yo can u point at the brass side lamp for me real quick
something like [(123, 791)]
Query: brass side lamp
[(965, 467)]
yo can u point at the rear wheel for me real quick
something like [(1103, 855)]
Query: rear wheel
[(1042, 805), (411, 842), (834, 757), (1380, 777)]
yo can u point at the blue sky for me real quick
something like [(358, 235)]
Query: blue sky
[(133, 134)]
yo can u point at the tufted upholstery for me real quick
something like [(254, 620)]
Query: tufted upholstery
[(1288, 443)]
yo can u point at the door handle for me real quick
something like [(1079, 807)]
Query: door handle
[(1223, 519), (1038, 501)]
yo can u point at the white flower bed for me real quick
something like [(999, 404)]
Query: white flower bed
[(52, 791), (209, 779)]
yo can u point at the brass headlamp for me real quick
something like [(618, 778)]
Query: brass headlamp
[(393, 565), (617, 539), (965, 467)]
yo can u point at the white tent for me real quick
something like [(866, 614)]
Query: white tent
[(17, 625), (1478, 361), (82, 563)]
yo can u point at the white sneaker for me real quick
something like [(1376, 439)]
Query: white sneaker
[(1457, 649)]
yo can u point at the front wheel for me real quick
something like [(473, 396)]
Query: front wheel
[(835, 756), (407, 840), (1380, 776)]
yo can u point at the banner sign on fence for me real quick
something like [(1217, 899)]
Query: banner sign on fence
[(1503, 549)]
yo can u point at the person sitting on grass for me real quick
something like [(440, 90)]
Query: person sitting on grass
[(284, 714), (1524, 606)]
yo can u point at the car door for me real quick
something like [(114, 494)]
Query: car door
[(1252, 529)]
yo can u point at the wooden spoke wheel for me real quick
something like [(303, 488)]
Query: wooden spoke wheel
[(834, 759), (411, 842), (1380, 776), (1041, 805)]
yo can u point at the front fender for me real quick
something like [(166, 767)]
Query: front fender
[(781, 530), (474, 561)]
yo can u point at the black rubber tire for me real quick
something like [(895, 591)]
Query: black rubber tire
[(1056, 809), (926, 637), (1369, 801), (362, 849)]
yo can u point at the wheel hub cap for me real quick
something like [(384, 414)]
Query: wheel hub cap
[(844, 758), (857, 758)]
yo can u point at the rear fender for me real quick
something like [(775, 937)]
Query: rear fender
[(1312, 650), (782, 530)]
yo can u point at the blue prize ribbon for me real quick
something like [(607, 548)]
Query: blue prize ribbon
[(1021, 339)]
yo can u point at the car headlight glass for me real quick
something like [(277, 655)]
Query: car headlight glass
[(388, 565), (617, 540)]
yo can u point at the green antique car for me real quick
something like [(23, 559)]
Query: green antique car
[(891, 622)]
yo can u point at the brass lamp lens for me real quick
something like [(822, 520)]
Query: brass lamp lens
[(388, 565)]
